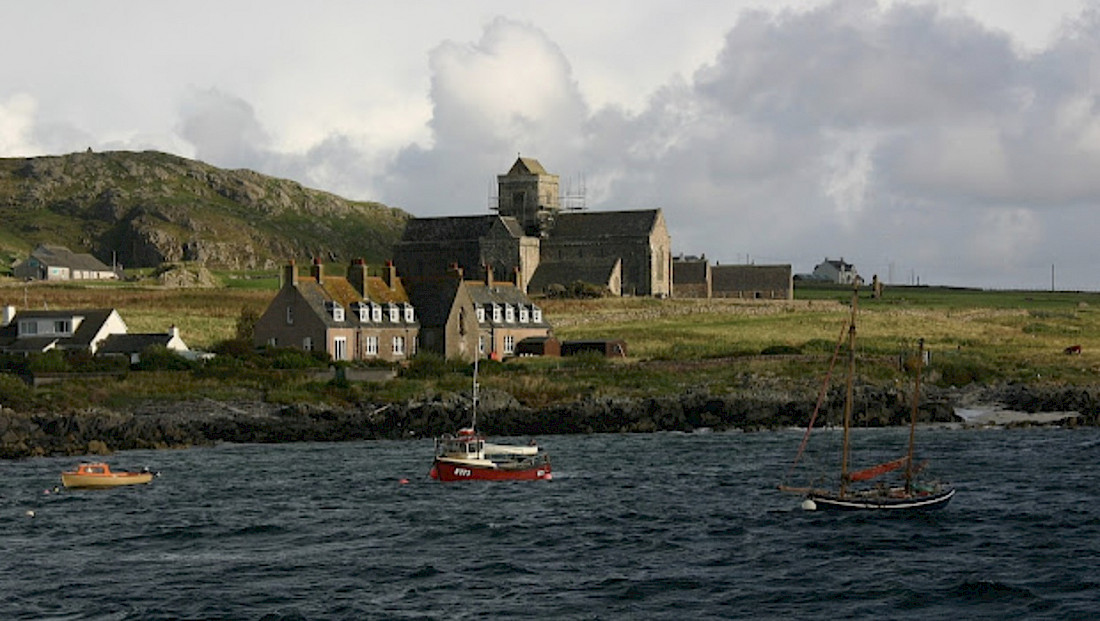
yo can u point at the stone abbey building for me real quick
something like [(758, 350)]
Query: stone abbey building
[(537, 244)]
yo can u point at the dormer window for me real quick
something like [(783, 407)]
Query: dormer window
[(509, 313), (361, 310), (335, 310), (395, 315), (481, 314), (536, 314), (62, 326), (28, 328), (410, 316), (375, 313), (289, 315), (496, 313), (524, 314)]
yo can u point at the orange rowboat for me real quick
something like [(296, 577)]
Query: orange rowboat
[(99, 475)]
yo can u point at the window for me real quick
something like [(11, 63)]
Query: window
[(272, 342), (62, 326), (496, 313), (372, 346), (375, 313), (394, 316), (336, 310), (307, 343), (398, 345), (290, 315), (28, 327), (524, 314), (362, 311), (509, 344), (340, 348), (536, 314), (509, 313), (480, 344), (409, 315), (481, 314)]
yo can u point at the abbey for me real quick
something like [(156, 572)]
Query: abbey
[(537, 244)]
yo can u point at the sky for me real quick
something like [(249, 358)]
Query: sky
[(926, 142)]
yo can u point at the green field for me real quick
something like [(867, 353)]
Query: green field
[(673, 345)]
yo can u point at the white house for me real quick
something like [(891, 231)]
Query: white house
[(836, 270)]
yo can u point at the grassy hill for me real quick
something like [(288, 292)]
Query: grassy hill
[(143, 209)]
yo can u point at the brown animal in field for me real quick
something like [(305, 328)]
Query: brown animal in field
[(1072, 349)]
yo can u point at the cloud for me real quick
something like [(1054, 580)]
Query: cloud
[(16, 122), (223, 129)]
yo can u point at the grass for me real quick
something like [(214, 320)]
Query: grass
[(673, 345)]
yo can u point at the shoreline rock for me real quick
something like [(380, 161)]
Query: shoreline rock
[(204, 422)]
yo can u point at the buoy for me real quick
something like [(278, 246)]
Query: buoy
[(809, 505), (30, 513), (403, 481)]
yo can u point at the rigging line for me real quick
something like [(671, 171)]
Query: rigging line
[(820, 399)]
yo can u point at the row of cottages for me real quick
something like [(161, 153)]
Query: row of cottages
[(488, 318), (49, 262), (363, 317), (357, 317), (538, 244), (98, 331), (696, 278)]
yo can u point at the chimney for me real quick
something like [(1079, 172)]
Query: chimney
[(173, 331), (7, 315), (317, 271), (488, 275), (518, 277), (290, 274), (455, 271), (357, 276), (389, 274)]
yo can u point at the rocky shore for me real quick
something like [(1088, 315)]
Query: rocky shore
[(206, 422)]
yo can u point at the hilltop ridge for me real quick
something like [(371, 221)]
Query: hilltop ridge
[(146, 208)]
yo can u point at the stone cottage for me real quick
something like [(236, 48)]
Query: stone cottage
[(357, 317)]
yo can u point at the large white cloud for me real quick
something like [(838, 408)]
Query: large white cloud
[(910, 138)]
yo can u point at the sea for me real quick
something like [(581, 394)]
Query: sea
[(633, 526)]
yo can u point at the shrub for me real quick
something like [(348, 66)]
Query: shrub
[(52, 361), (17, 394), (160, 358), (780, 350), (425, 365)]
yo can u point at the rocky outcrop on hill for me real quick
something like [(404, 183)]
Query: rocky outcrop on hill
[(144, 209)]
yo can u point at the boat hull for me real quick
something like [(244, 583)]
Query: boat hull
[(445, 470), (115, 479), (921, 502)]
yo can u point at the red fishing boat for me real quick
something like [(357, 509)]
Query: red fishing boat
[(467, 456), (911, 495)]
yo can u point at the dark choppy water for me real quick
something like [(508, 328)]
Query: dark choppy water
[(659, 526)]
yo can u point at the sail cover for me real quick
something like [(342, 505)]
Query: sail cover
[(874, 471)]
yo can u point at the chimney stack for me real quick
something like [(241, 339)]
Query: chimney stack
[(488, 275), (290, 274), (455, 271), (518, 277), (7, 315), (317, 270), (389, 274), (357, 276)]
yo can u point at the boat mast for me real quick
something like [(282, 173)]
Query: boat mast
[(473, 422), (848, 390), (913, 418)]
